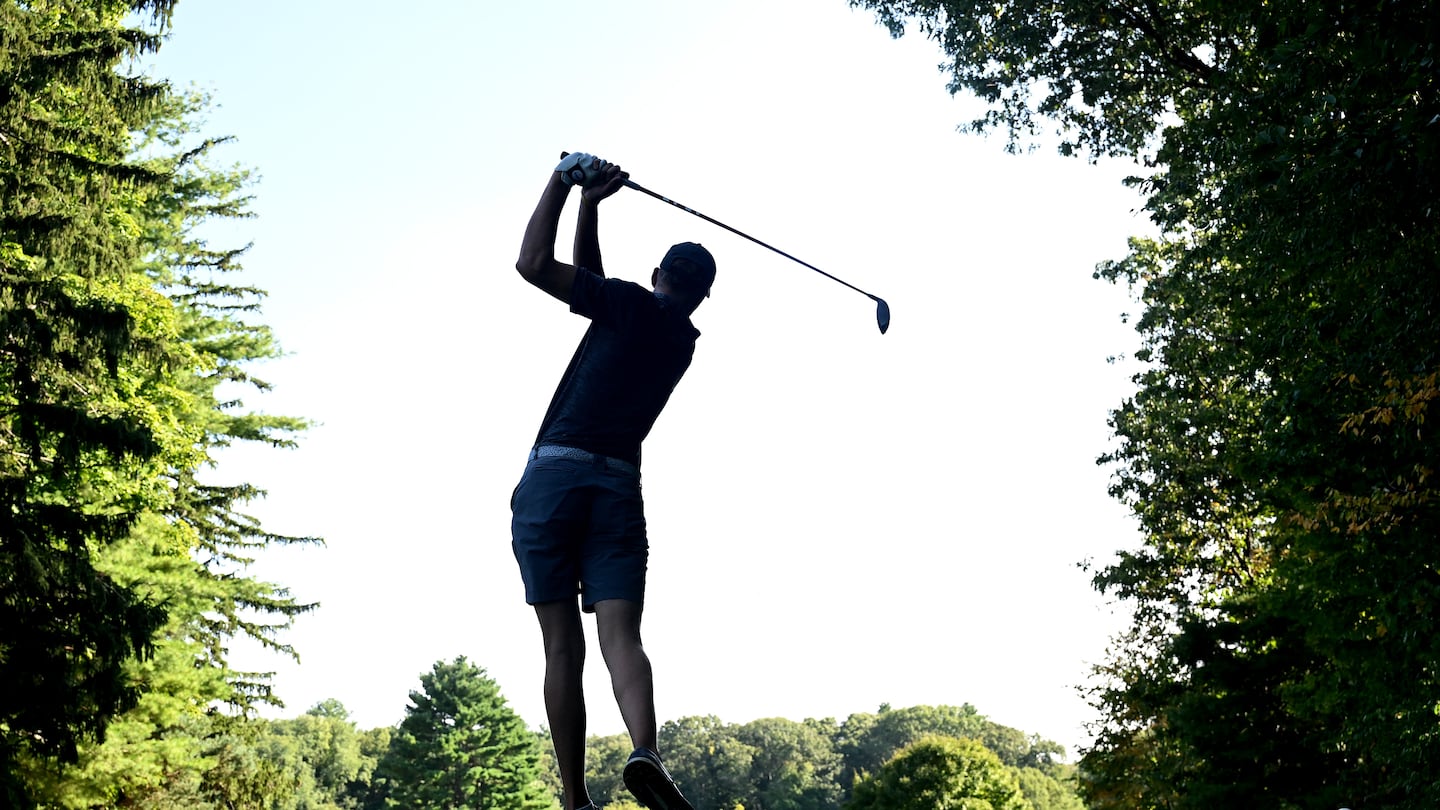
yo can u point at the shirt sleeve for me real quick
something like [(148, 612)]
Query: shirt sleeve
[(610, 302)]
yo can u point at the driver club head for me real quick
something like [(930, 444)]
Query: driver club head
[(882, 314)]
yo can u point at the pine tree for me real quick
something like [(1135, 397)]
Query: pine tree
[(461, 746), (81, 338), (117, 331), (191, 554)]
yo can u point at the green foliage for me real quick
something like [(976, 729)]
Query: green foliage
[(867, 740), (777, 764), (711, 765), (82, 346), (246, 773), (1045, 792), (461, 746), (794, 766), (121, 572), (1276, 453), (604, 765), (321, 761), (189, 555), (332, 766), (158, 745), (941, 773)]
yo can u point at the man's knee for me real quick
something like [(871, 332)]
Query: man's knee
[(562, 632), (617, 623)]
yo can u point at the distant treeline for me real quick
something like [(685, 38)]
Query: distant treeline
[(461, 745), (776, 763)]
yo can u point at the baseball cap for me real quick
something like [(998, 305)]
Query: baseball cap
[(689, 266)]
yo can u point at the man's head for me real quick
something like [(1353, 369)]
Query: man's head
[(685, 274)]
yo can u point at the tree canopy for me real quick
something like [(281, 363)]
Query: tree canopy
[(781, 764), (1275, 453), (941, 773)]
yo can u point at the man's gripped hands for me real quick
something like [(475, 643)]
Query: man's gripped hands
[(596, 177), (611, 180)]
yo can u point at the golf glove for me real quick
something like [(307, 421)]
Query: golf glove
[(580, 169)]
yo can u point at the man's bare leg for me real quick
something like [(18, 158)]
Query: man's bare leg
[(618, 625), (564, 638), (645, 776)]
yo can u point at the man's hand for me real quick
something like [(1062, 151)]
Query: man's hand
[(580, 169), (610, 180)]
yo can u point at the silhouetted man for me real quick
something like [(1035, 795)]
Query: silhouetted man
[(578, 524)]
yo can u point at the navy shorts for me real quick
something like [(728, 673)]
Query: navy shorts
[(578, 526)]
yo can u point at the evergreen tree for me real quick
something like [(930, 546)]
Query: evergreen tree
[(119, 329), (84, 343), (461, 746), (190, 554)]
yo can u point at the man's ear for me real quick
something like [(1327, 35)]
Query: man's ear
[(655, 277)]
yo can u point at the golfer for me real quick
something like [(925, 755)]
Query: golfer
[(578, 524)]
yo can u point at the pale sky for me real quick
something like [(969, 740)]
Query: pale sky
[(838, 519)]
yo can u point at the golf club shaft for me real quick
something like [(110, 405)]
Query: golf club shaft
[(712, 221)]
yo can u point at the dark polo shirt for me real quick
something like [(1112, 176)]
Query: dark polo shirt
[(634, 353)]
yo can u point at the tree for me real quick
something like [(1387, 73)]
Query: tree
[(1275, 453), (335, 767), (794, 765), (1044, 792), (866, 741), (373, 795), (710, 763), (779, 764), (461, 746), (80, 341), (244, 773), (163, 750), (118, 565), (941, 773), (188, 550), (604, 768)]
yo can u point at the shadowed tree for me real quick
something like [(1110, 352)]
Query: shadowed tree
[(1276, 453)]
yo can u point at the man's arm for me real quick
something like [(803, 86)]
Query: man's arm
[(537, 263), (586, 252)]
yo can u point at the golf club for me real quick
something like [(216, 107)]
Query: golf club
[(882, 309)]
